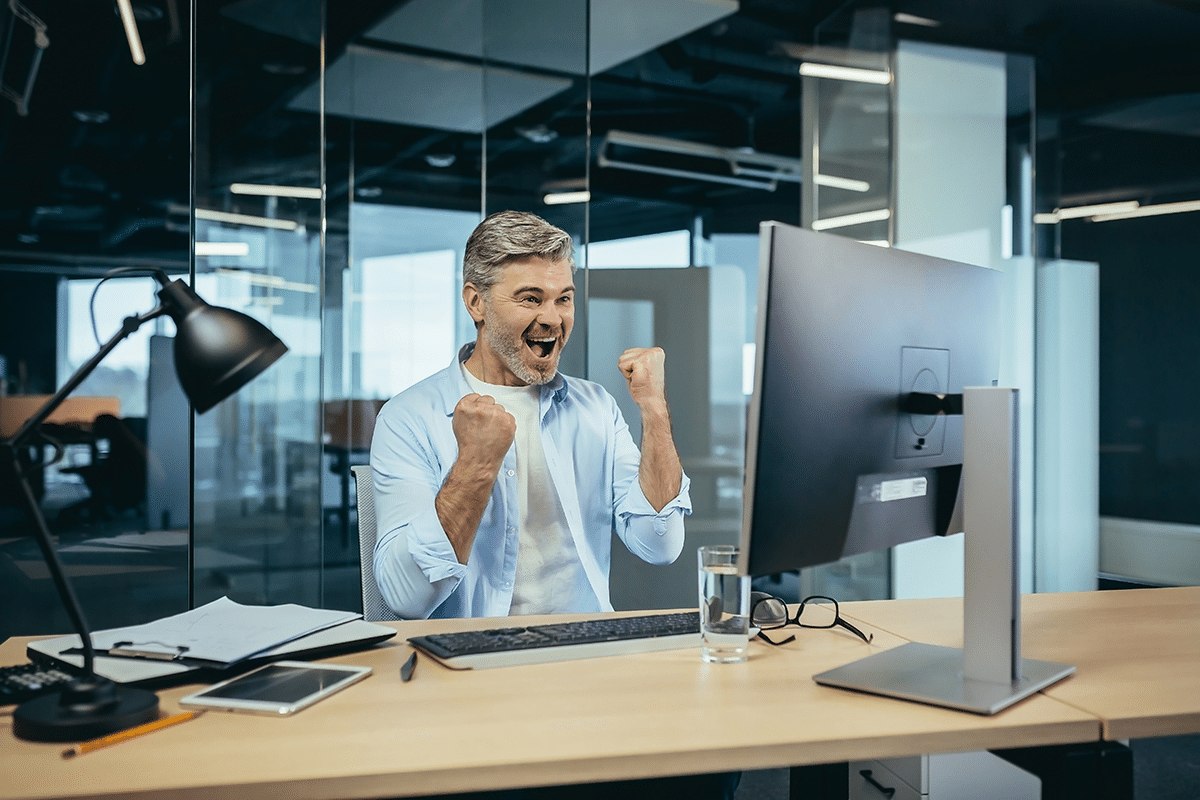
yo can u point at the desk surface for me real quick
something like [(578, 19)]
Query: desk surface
[(1137, 651), (624, 717), (16, 408)]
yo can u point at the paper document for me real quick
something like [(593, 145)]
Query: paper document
[(222, 631)]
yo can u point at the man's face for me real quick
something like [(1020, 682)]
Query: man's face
[(527, 317)]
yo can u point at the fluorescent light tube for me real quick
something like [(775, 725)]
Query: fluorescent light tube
[(913, 19), (302, 192), (222, 248), (565, 198), (814, 70), (1078, 212), (269, 281), (852, 219), (841, 183), (246, 219), (131, 32), (1151, 211)]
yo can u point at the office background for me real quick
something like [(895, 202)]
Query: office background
[(687, 122)]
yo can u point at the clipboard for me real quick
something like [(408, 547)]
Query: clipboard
[(151, 673)]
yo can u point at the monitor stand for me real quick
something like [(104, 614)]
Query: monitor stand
[(988, 673)]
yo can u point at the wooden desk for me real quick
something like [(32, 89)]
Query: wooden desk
[(645, 715), (15, 409), (1137, 651)]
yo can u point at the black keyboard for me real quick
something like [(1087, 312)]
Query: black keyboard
[(23, 682), (562, 641)]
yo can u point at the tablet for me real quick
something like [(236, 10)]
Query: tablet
[(278, 689)]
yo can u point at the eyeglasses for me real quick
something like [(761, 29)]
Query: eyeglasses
[(818, 611)]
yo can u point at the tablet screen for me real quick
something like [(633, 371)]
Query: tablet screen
[(276, 683)]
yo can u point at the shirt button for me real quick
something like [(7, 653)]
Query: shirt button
[(511, 472)]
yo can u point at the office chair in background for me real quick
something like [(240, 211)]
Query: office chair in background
[(374, 608), (116, 480)]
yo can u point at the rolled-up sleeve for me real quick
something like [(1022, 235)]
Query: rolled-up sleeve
[(415, 565), (656, 537)]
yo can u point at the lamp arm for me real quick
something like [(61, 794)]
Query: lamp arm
[(128, 326), (20, 438)]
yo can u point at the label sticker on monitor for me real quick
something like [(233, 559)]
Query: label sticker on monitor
[(902, 489)]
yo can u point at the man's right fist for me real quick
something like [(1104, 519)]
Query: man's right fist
[(483, 428)]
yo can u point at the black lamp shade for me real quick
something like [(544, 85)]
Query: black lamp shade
[(217, 350)]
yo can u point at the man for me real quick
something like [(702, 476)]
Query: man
[(498, 481)]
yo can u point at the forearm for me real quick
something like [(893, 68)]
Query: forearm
[(461, 502), (660, 473)]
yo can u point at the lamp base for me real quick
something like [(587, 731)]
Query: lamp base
[(87, 708)]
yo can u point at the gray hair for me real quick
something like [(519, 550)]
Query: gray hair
[(508, 236)]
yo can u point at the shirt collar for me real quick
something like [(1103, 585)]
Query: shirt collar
[(557, 387)]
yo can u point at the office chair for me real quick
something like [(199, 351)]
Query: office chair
[(116, 481), (374, 608)]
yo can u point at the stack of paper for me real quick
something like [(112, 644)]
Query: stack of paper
[(218, 636)]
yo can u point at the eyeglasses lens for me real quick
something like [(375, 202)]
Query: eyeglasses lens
[(770, 612), (818, 612)]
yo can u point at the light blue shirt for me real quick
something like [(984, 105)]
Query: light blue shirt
[(593, 463)]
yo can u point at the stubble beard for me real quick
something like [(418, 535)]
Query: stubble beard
[(512, 350)]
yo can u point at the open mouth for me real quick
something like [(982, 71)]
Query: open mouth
[(542, 348)]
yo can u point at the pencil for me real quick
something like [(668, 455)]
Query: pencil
[(129, 733)]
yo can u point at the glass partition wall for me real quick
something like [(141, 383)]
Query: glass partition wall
[(659, 146), (342, 153)]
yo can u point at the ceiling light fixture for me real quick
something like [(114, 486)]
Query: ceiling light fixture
[(222, 248), (852, 219), (1100, 208), (1079, 212), (269, 281), (812, 69), (440, 160), (246, 219), (265, 190), (566, 198), (92, 116), (538, 134), (1150, 211), (741, 162), (913, 19), (131, 32), (835, 182)]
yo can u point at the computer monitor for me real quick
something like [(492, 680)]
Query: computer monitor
[(835, 465), (876, 420)]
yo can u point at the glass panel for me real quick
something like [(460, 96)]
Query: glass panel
[(696, 140), (93, 177), (257, 181), (537, 135), (405, 100)]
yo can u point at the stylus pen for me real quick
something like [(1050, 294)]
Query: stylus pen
[(129, 733), (406, 669)]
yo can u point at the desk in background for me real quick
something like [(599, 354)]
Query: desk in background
[(70, 423), (1136, 651), (645, 715), (77, 411)]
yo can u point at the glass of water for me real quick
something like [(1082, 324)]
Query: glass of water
[(724, 605)]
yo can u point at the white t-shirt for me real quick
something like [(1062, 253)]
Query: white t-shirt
[(549, 571)]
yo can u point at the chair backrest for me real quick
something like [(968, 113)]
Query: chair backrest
[(374, 609)]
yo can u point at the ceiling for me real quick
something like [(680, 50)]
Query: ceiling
[(97, 172)]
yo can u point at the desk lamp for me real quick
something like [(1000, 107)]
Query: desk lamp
[(217, 351)]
